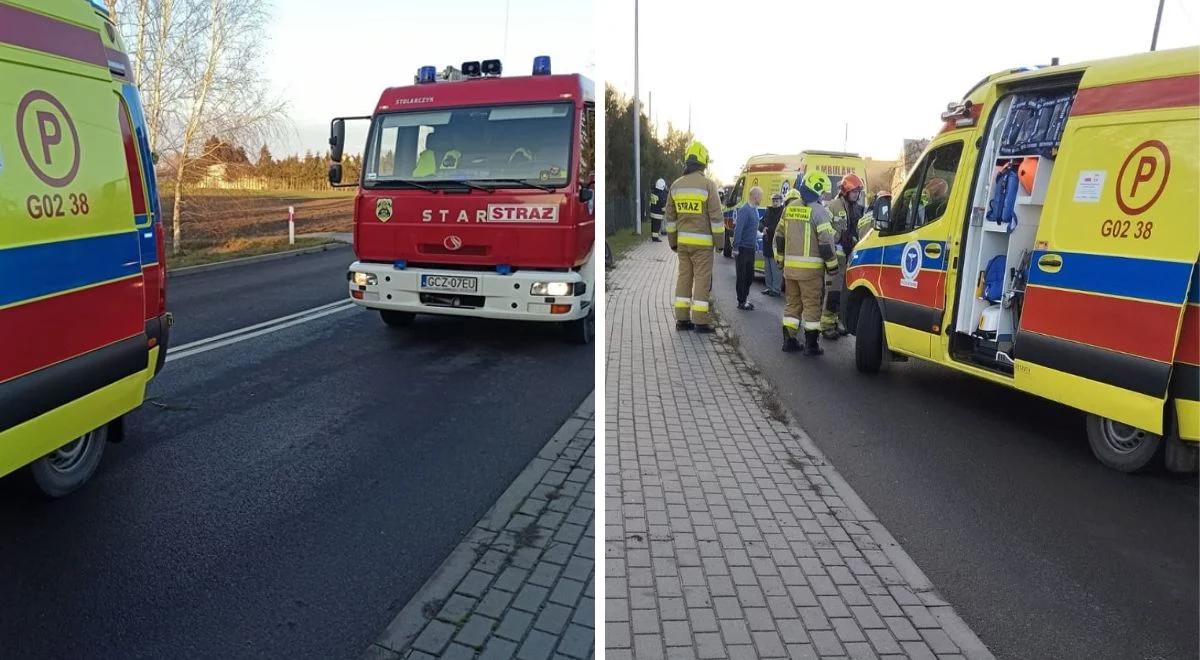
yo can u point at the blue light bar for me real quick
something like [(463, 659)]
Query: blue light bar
[(541, 65), (504, 269), (427, 74), (400, 265)]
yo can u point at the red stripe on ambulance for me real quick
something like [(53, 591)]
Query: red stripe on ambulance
[(48, 331), (1173, 92), (1136, 327)]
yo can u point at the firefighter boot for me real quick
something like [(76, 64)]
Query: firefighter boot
[(790, 345), (831, 334), (811, 347)]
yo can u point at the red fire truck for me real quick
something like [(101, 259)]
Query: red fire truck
[(476, 198)]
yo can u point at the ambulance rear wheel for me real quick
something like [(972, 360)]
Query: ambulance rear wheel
[(1121, 446), (397, 319), (66, 469), (868, 337), (582, 331)]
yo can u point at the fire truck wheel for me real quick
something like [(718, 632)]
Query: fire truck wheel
[(67, 468), (1120, 446), (581, 331), (397, 319), (868, 337)]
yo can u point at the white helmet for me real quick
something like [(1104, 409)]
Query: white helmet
[(660, 184)]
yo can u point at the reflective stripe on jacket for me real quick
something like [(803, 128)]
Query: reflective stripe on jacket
[(693, 211), (807, 238)]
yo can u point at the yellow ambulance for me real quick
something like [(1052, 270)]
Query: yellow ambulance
[(1048, 240), (771, 172), (835, 165), (83, 324)]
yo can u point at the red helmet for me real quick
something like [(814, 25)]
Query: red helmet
[(850, 182)]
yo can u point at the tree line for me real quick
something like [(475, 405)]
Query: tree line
[(661, 157), (198, 65)]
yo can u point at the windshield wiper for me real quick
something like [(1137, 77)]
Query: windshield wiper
[(476, 186), (524, 182), (402, 182)]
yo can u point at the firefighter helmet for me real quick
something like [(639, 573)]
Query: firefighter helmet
[(850, 182), (792, 193), (696, 152), (817, 182)]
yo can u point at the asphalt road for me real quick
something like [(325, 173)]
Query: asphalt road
[(284, 496), (995, 494)]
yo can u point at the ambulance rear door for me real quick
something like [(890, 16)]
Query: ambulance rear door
[(1109, 272)]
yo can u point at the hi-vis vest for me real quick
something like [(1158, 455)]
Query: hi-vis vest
[(694, 211), (802, 241)]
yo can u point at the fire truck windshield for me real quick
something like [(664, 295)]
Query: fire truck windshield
[(511, 145)]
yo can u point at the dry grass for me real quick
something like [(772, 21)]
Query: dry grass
[(237, 248)]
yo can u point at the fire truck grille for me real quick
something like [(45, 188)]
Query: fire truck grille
[(455, 300)]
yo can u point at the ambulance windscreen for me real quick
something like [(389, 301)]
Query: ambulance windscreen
[(510, 143)]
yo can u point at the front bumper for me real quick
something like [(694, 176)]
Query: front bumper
[(497, 296)]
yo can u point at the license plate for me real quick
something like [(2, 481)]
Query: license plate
[(450, 283)]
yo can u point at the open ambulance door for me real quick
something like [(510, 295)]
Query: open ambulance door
[(1110, 270)]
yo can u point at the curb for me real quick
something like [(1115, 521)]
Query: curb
[(246, 261), (406, 625), (957, 629)]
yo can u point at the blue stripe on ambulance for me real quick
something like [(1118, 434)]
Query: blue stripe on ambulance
[(872, 256), (146, 240), (1128, 277), (32, 271), (892, 254)]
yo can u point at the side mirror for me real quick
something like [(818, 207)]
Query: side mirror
[(883, 225), (337, 141), (335, 173), (586, 194)]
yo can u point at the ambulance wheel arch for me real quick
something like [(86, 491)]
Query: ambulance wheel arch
[(68, 468), (1121, 446)]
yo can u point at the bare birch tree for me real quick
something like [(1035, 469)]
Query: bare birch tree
[(199, 66)]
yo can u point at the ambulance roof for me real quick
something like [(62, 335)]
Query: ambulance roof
[(1126, 68), (487, 91)]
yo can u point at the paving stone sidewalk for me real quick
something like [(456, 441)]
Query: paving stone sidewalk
[(522, 584), (727, 533)]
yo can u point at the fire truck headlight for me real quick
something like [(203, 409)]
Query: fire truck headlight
[(363, 279), (550, 289)]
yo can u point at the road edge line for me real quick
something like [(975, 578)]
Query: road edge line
[(408, 623), (246, 261), (955, 627)]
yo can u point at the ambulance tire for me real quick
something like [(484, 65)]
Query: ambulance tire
[(397, 319), (1120, 446), (66, 469), (582, 331), (868, 337)]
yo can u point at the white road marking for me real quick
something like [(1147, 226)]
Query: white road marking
[(257, 330)]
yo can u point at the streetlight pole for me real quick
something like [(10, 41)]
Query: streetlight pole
[(637, 132), (1157, 22)]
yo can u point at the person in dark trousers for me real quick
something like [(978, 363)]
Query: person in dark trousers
[(745, 241), (772, 272), (658, 201)]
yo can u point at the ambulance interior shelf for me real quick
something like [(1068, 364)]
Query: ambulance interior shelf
[(1005, 214)]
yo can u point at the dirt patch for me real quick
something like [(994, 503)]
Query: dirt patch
[(217, 219)]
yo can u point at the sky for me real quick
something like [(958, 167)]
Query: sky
[(329, 59), (762, 76)]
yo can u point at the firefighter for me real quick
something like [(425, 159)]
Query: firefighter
[(847, 209), (694, 226), (804, 243), (658, 200)]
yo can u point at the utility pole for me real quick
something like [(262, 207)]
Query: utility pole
[(689, 117), (1157, 22), (637, 132), (504, 53), (650, 112), (845, 135)]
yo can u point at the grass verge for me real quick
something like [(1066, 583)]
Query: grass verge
[(238, 248), (625, 240)]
